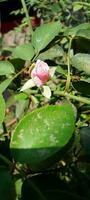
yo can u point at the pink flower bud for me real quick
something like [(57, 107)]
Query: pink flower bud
[(40, 73)]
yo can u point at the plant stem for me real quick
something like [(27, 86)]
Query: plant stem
[(68, 76), (27, 16), (6, 160), (70, 96)]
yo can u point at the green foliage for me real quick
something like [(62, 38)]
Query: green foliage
[(45, 143), (85, 139), (81, 61), (50, 54), (44, 34), (6, 68), (2, 109), (6, 185), (4, 84), (24, 51), (38, 137)]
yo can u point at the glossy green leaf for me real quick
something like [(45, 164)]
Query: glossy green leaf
[(4, 84), (40, 135), (2, 109), (6, 68), (6, 185), (44, 34), (24, 51), (55, 51), (81, 61)]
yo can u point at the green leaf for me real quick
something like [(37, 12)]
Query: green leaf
[(60, 70), (54, 52), (42, 134), (77, 7), (44, 34), (4, 84), (21, 106), (6, 185), (73, 31), (85, 138), (24, 51), (2, 109), (6, 68), (85, 33), (81, 61)]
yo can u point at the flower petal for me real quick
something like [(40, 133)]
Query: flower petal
[(52, 71), (46, 92), (37, 81), (29, 84)]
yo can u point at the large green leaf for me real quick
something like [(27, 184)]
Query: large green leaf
[(6, 68), (81, 61), (2, 109), (40, 135), (6, 185), (53, 52), (24, 51), (44, 34)]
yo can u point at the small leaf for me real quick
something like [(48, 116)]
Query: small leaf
[(6, 185), (4, 84), (44, 34), (42, 134), (29, 84), (24, 51), (6, 68), (46, 92), (21, 106), (2, 109), (53, 52), (81, 61)]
